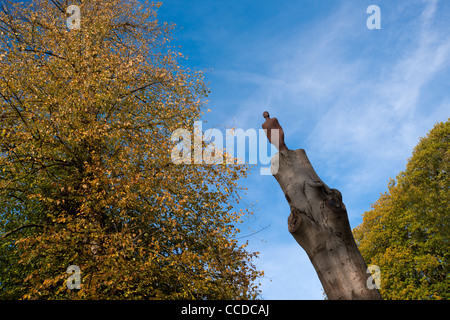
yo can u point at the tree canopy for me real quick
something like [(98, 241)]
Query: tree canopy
[(407, 233), (86, 176)]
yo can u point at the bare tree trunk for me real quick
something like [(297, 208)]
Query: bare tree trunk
[(319, 223)]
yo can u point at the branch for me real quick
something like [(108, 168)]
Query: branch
[(253, 233), (20, 228), (142, 88), (47, 52), (58, 6), (108, 113)]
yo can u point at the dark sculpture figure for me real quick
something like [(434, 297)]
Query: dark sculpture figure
[(270, 125)]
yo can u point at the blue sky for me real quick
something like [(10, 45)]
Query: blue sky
[(357, 100)]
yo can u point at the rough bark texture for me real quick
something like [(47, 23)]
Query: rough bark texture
[(319, 223)]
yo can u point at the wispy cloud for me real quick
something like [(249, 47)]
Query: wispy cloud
[(376, 124), (356, 99), (295, 278), (358, 115)]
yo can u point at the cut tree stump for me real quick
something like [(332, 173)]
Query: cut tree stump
[(319, 223)]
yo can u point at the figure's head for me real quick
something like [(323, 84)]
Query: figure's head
[(266, 115)]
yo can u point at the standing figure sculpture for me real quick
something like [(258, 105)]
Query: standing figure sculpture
[(273, 124)]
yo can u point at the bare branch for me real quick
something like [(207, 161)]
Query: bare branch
[(20, 228), (253, 233), (58, 6)]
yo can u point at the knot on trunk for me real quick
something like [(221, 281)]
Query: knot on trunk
[(333, 201), (294, 220), (319, 223)]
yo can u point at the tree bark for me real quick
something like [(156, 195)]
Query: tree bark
[(319, 223)]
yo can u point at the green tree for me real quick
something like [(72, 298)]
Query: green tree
[(86, 176), (407, 233)]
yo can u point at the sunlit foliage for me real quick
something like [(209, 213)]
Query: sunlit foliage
[(407, 233), (86, 176)]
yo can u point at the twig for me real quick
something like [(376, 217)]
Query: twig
[(253, 233), (22, 227)]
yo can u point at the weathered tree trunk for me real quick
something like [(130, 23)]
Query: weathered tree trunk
[(319, 223)]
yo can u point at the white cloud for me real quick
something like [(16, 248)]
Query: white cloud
[(366, 106), (358, 101), (289, 274), (370, 133)]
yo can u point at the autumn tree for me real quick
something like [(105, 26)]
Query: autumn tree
[(86, 175), (407, 233)]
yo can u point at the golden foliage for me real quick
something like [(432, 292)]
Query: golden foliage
[(85, 168), (407, 232)]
